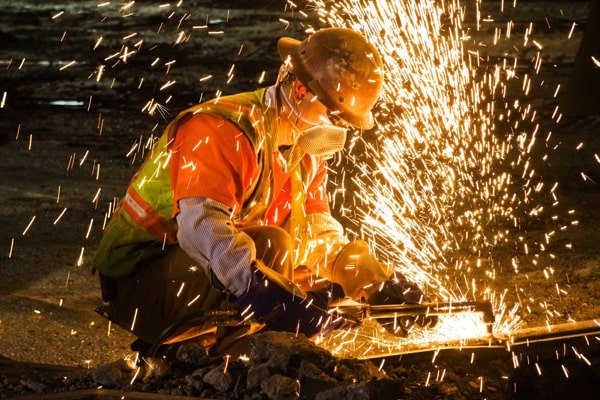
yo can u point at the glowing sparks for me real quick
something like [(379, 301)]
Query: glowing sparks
[(372, 340), (60, 216), (134, 318), (572, 30), (79, 262), (443, 185), (28, 226), (67, 65), (435, 185), (12, 245)]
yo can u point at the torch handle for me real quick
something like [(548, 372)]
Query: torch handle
[(366, 311)]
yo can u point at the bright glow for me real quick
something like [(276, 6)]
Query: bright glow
[(443, 188)]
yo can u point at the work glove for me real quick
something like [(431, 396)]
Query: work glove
[(358, 270), (401, 291), (283, 306)]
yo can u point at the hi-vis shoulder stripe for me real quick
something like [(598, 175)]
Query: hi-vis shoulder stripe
[(147, 218), (135, 206)]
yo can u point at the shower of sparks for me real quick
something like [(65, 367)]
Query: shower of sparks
[(444, 188), (374, 341)]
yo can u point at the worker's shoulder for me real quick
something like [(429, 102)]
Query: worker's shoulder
[(207, 121), (212, 130)]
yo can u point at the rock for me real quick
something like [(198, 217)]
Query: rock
[(176, 392), (256, 375), (113, 374), (452, 377), (281, 361), (310, 387), (254, 396), (192, 353), (449, 389), (148, 387), (310, 370), (356, 370), (200, 372), (279, 387), (37, 387), (207, 393), (218, 379), (353, 392), (266, 344), (313, 380), (156, 368), (195, 382)]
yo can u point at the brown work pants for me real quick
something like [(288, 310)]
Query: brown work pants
[(175, 285)]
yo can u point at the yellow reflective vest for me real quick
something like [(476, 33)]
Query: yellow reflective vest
[(143, 224)]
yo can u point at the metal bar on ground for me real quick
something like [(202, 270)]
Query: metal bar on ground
[(104, 394)]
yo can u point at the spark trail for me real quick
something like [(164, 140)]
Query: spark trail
[(449, 180)]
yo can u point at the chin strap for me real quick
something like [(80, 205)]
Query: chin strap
[(294, 110)]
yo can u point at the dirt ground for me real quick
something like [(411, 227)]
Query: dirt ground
[(68, 151)]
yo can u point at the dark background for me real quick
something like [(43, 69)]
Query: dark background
[(53, 136)]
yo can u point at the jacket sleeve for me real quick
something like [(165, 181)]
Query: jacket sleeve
[(207, 234), (212, 166), (211, 158), (324, 235)]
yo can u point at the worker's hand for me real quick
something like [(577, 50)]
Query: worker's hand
[(401, 291), (284, 307), (358, 270)]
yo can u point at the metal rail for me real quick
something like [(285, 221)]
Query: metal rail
[(104, 394), (522, 340), (527, 336)]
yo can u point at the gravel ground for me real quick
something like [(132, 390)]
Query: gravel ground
[(64, 139)]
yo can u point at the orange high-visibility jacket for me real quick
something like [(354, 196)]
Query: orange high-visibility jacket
[(223, 150)]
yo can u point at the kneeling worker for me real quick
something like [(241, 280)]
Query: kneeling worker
[(230, 207)]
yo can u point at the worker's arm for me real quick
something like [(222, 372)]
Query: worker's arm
[(214, 167), (351, 264), (212, 164), (207, 234), (323, 234)]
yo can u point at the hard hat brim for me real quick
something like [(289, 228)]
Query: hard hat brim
[(288, 49)]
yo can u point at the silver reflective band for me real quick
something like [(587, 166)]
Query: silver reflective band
[(135, 206)]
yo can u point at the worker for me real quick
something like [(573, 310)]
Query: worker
[(230, 207)]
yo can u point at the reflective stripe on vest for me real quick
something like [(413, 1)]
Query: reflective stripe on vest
[(148, 208), (147, 218)]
